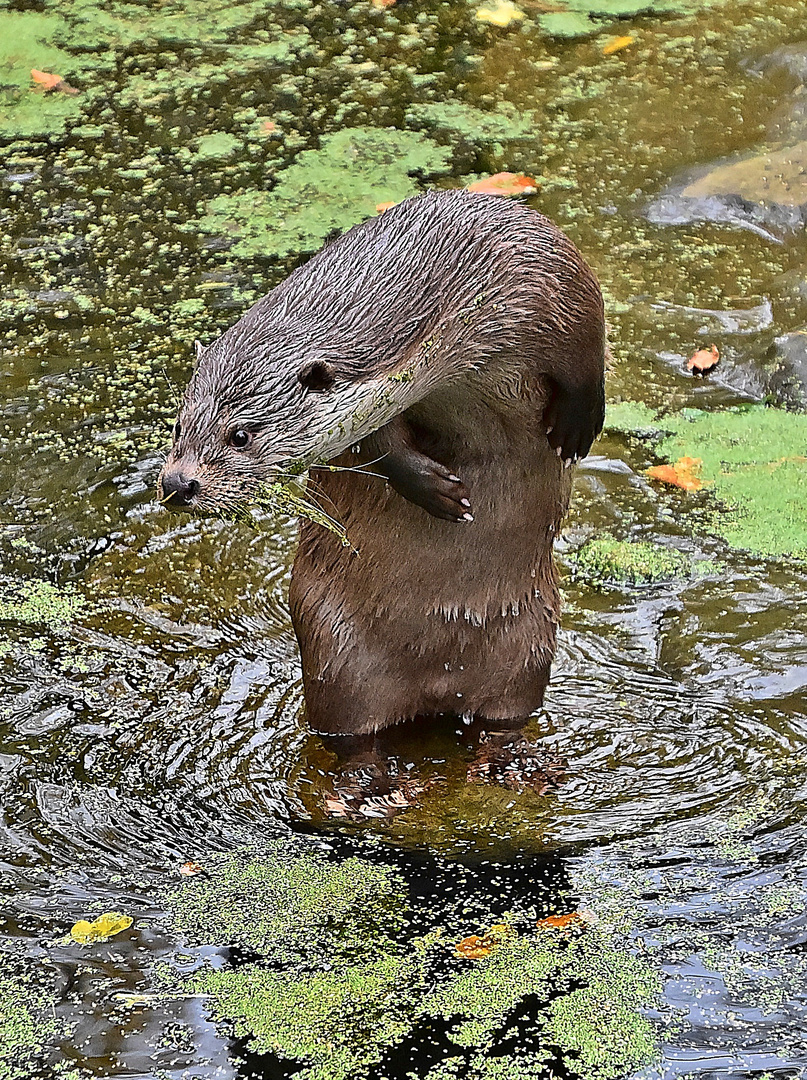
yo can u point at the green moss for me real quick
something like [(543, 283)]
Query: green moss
[(213, 147), (338, 1023), (606, 560), (601, 1024), (26, 42), (755, 461), (326, 191), (38, 603), (293, 907)]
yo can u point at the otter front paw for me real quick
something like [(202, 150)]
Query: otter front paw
[(431, 485), (573, 420)]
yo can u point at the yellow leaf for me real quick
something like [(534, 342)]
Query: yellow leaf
[(616, 44), (100, 929), (499, 13)]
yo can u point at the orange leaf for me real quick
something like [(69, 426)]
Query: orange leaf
[(506, 183), (382, 3), (382, 206), (473, 947), (52, 82), (477, 948), (615, 44), (573, 920), (191, 869), (681, 475), (44, 78), (703, 360), (268, 127)]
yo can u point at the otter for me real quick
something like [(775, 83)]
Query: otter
[(446, 359)]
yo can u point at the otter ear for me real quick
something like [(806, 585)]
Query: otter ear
[(198, 352), (316, 375)]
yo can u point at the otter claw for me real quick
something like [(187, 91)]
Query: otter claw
[(454, 479), (467, 517), (465, 502)]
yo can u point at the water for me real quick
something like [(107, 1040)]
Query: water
[(162, 721)]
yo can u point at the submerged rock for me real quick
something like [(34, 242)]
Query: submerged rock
[(786, 370), (766, 193)]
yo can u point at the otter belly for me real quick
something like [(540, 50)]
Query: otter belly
[(421, 616)]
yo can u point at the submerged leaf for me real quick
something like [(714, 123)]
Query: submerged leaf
[(616, 44)]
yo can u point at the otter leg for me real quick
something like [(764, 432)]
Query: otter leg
[(418, 477)]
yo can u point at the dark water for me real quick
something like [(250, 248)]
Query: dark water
[(162, 720)]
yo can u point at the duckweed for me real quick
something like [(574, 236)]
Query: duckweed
[(326, 191), (362, 983), (753, 460)]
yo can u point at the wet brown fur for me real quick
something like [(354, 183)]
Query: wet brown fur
[(480, 326)]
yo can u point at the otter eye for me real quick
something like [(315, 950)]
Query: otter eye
[(240, 439)]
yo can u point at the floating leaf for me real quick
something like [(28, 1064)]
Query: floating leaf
[(381, 4), (477, 948), (703, 360), (616, 44), (382, 206), (52, 82), (682, 474), (269, 127), (190, 869), (505, 183), (101, 929), (499, 13), (573, 920)]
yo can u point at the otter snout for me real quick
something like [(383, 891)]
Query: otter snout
[(176, 490)]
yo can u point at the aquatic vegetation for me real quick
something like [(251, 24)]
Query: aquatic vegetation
[(28, 1025), (26, 42), (38, 603), (474, 125), (581, 18), (753, 460), (326, 191), (604, 560), (363, 984)]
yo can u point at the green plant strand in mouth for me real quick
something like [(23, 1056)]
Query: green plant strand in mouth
[(290, 498)]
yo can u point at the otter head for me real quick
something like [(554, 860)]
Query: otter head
[(258, 410)]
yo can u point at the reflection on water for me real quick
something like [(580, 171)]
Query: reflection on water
[(163, 720)]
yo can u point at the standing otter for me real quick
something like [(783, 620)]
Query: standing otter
[(455, 344)]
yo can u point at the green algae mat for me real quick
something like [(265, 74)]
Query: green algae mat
[(344, 971), (752, 460)]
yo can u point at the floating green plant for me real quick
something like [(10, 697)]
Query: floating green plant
[(363, 984), (581, 18), (754, 460), (38, 603), (326, 191), (604, 560)]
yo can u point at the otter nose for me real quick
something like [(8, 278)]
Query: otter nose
[(178, 490)]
